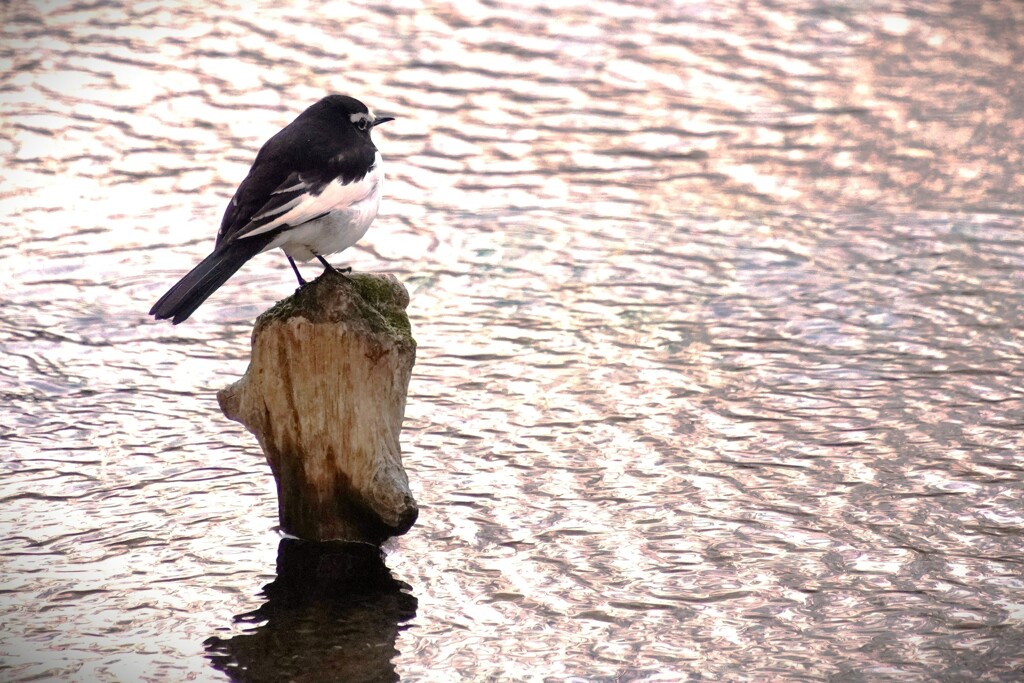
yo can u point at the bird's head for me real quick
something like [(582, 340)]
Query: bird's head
[(364, 121), (350, 110)]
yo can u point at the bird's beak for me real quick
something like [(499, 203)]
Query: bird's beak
[(383, 119)]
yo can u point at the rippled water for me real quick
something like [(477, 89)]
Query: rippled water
[(720, 321)]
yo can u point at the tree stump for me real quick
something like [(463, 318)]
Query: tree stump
[(325, 396)]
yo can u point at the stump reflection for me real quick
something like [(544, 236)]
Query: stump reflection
[(332, 614)]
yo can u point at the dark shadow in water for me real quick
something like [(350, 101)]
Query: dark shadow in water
[(332, 614)]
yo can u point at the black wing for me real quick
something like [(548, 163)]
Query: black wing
[(289, 176)]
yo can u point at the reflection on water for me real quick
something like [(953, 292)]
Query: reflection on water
[(332, 612), (720, 334)]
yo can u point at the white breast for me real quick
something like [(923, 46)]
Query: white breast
[(350, 211)]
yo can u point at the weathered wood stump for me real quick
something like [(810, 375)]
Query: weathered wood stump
[(325, 396)]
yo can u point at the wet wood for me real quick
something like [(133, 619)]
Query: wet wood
[(325, 396)]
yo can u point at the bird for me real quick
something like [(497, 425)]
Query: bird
[(313, 190)]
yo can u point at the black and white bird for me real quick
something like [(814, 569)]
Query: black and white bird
[(313, 190)]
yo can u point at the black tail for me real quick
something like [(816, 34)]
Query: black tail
[(196, 287)]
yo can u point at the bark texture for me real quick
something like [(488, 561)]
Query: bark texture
[(325, 396)]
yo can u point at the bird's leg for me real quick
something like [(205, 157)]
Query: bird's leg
[(328, 267), (298, 275)]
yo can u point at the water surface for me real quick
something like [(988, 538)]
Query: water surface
[(720, 335)]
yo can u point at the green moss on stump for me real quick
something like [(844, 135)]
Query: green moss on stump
[(379, 301)]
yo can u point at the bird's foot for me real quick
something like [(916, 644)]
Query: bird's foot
[(331, 269)]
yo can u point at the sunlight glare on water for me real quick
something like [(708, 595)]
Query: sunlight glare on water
[(719, 318)]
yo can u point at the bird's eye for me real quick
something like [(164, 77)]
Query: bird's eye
[(363, 124)]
